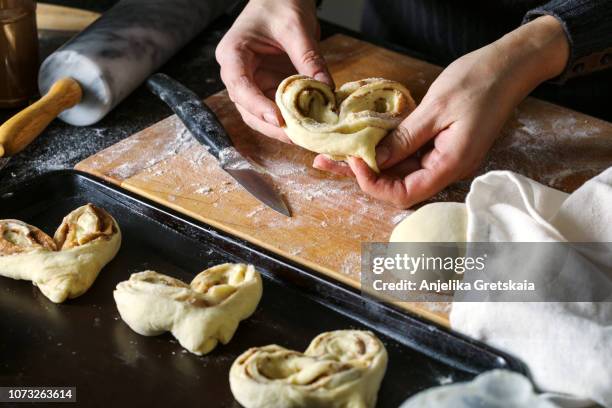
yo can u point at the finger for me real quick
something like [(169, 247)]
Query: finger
[(304, 53), (237, 67), (440, 169), (415, 131), (464, 168), (403, 168), (416, 187), (263, 127), (280, 64), (456, 150), (380, 186), (268, 82), (324, 163)]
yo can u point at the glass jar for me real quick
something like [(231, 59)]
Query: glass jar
[(18, 52)]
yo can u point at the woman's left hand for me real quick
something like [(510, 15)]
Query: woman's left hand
[(448, 135)]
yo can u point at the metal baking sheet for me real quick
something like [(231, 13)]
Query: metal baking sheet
[(83, 343)]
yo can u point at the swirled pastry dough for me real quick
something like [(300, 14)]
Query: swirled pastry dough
[(340, 369), (67, 265), (349, 122), (198, 315)]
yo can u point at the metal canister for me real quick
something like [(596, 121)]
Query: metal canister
[(18, 52)]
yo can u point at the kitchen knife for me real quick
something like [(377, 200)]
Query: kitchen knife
[(206, 128)]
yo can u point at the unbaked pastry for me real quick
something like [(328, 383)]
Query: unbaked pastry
[(200, 314), (340, 369), (444, 223), (349, 122), (67, 265), (435, 222)]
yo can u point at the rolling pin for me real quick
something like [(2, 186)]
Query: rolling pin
[(88, 76), (60, 18)]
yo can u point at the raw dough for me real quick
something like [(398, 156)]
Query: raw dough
[(349, 122), (67, 265), (436, 222), (433, 223), (493, 389), (200, 314), (340, 369)]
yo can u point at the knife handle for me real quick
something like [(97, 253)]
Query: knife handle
[(197, 117)]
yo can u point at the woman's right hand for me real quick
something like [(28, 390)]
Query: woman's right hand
[(268, 42)]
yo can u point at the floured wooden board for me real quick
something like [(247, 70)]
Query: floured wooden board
[(331, 217)]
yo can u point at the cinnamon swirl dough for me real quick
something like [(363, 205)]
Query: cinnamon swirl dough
[(67, 265), (340, 369), (349, 122), (198, 315)]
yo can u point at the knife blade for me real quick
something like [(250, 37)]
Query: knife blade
[(204, 125)]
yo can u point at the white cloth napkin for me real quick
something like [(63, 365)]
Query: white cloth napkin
[(567, 346), (492, 389)]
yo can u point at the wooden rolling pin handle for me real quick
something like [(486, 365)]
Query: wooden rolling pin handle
[(60, 18), (20, 130)]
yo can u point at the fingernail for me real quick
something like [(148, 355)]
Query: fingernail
[(321, 77), (271, 119), (382, 155)]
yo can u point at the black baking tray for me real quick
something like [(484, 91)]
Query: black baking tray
[(83, 343)]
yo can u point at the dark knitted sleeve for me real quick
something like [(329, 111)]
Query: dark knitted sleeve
[(588, 26)]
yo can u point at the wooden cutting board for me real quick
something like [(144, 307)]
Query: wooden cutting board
[(331, 217)]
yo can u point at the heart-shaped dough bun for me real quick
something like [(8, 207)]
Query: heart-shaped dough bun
[(67, 265), (200, 314), (349, 122), (340, 369)]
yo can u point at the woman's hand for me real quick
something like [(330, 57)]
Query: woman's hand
[(269, 41), (448, 135)]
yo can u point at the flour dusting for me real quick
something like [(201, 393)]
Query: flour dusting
[(397, 218), (163, 147), (204, 190), (352, 265)]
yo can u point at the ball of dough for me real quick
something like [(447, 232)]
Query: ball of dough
[(349, 122), (340, 369), (436, 222), (443, 223)]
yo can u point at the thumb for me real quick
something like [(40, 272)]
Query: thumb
[(303, 50), (414, 131)]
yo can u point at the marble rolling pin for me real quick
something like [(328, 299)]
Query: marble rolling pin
[(88, 76)]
